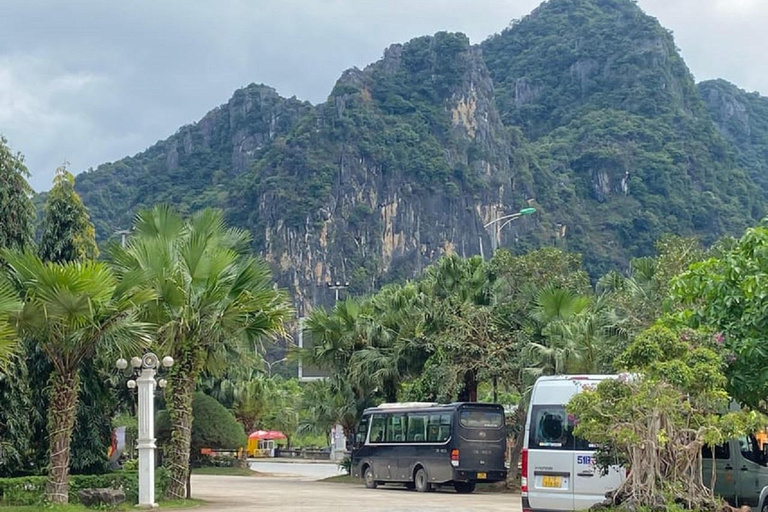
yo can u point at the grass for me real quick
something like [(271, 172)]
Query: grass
[(226, 472), (170, 504), (342, 479)]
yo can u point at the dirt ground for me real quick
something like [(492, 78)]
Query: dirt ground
[(291, 494)]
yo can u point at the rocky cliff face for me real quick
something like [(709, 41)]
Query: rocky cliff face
[(389, 193)]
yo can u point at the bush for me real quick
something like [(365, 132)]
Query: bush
[(213, 427), (31, 490), (346, 464)]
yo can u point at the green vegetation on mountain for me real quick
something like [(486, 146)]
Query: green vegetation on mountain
[(617, 123), (584, 109), (742, 118)]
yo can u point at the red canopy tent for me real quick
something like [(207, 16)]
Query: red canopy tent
[(262, 442), (264, 435)]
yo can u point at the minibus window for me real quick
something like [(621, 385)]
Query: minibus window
[(551, 428), (377, 428), (475, 418)]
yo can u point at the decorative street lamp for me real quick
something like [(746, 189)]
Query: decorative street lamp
[(145, 368)]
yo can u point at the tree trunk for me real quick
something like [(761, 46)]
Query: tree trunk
[(179, 394), (61, 422), (468, 392)]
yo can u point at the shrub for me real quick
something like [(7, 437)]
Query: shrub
[(213, 427), (31, 490)]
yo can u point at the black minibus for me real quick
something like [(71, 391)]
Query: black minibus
[(423, 445)]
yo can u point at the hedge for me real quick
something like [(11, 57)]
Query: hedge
[(30, 490)]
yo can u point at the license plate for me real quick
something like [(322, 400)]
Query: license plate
[(482, 476), (551, 481)]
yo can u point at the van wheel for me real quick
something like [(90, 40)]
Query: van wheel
[(421, 482), (464, 487), (370, 483)]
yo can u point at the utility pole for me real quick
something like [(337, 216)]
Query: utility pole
[(123, 234)]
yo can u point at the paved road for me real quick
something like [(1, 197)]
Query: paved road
[(297, 470), (291, 494)]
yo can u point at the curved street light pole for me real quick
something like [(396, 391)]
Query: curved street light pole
[(507, 219)]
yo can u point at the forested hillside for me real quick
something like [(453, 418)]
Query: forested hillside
[(742, 118), (584, 110)]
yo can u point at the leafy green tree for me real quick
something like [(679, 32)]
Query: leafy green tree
[(16, 209), (728, 294), (74, 311), (676, 382), (68, 234), (213, 298)]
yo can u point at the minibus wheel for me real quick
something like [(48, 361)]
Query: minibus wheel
[(421, 482), (370, 483), (464, 487)]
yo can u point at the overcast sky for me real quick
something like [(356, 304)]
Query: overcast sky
[(91, 81)]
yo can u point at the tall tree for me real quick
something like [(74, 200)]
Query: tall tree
[(16, 232), (68, 234), (16, 208), (75, 311), (213, 298)]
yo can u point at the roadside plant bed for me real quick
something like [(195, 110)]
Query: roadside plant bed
[(30, 490)]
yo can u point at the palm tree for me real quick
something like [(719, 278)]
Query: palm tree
[(74, 312), (556, 352), (580, 334), (213, 298), (462, 292), (9, 305)]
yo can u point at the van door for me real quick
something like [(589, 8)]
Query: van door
[(550, 458), (725, 477), (752, 471), (589, 484)]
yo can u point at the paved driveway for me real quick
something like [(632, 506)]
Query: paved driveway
[(296, 493), (298, 470)]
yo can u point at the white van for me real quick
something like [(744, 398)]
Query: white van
[(558, 472), (557, 469)]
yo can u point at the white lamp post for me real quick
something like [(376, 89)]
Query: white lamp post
[(146, 368)]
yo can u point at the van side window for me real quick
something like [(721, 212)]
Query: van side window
[(378, 422), (722, 451), (551, 428), (750, 450)]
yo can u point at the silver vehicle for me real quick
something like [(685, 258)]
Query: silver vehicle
[(558, 471), (557, 468)]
